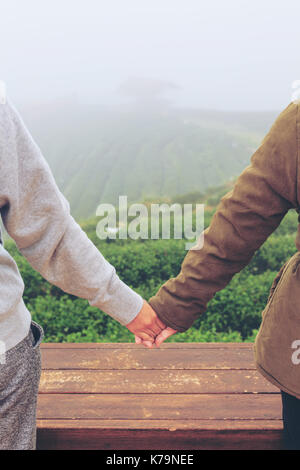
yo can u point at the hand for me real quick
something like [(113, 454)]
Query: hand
[(166, 333), (163, 335), (146, 325)]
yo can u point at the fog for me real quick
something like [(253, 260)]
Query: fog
[(224, 55)]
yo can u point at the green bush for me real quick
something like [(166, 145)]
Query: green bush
[(272, 254), (239, 306)]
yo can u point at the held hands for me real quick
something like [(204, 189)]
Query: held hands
[(148, 328)]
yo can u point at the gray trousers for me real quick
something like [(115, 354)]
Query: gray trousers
[(20, 371)]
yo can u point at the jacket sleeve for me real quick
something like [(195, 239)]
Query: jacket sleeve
[(37, 216), (245, 217)]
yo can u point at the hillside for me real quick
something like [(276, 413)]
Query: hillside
[(97, 154)]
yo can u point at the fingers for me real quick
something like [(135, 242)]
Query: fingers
[(153, 330), (148, 344), (146, 337), (156, 328), (138, 340), (147, 327), (166, 333), (163, 335), (149, 335), (150, 332)]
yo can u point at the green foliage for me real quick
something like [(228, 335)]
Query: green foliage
[(272, 254), (238, 307), (201, 335)]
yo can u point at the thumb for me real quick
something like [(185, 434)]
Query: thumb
[(138, 340), (163, 335)]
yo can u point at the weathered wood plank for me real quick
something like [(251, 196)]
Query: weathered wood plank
[(124, 439), (136, 346), (137, 358), (154, 381), (163, 424), (156, 406)]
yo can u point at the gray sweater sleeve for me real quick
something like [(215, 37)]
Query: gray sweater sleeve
[(37, 216)]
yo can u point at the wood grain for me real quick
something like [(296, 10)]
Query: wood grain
[(169, 359), (154, 381), (232, 346), (166, 424), (181, 396), (120, 439), (157, 406)]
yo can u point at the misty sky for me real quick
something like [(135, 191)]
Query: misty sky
[(229, 55)]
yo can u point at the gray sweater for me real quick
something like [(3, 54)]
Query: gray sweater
[(37, 216)]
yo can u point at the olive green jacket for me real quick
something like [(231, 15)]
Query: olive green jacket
[(264, 192)]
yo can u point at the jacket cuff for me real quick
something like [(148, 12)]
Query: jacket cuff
[(165, 316)]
